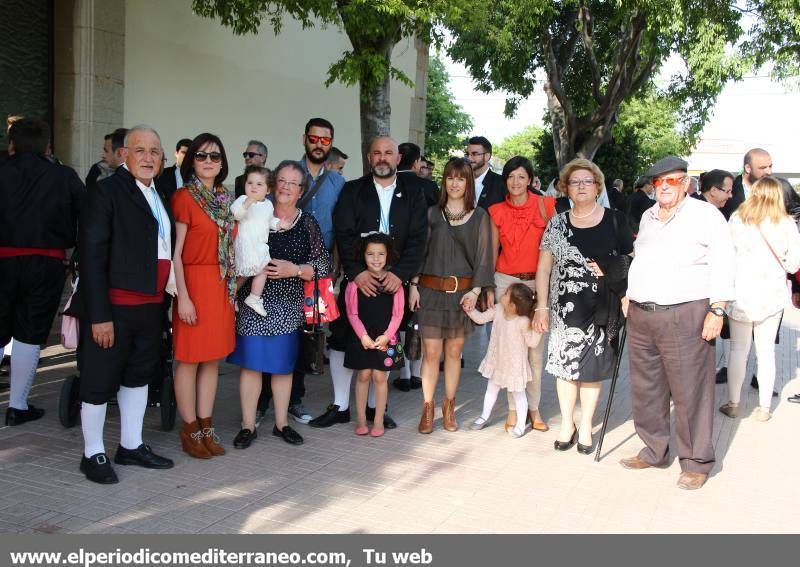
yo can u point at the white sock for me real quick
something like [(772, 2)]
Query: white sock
[(341, 377), (521, 403), (489, 399), (23, 371), (93, 418), (132, 405)]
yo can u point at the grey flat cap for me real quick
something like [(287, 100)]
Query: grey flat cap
[(667, 164)]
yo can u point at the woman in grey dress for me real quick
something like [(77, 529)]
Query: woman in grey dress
[(458, 264)]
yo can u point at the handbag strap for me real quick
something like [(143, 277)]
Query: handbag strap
[(543, 211), (306, 199), (772, 250)]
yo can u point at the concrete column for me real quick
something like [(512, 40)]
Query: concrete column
[(88, 77), (416, 127)]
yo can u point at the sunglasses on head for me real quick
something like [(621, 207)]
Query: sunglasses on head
[(671, 181), (215, 157), (324, 140)]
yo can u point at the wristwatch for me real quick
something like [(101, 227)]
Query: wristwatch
[(718, 311)]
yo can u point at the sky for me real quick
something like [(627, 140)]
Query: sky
[(755, 112)]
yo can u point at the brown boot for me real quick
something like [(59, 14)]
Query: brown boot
[(426, 420), (511, 420), (449, 414), (210, 439), (192, 441)]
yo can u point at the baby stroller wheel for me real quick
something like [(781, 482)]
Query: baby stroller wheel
[(168, 403), (69, 402)]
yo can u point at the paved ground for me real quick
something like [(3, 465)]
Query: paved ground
[(405, 482)]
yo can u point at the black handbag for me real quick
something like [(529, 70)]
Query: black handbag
[(413, 342), (314, 338)]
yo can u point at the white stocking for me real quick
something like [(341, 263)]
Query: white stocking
[(23, 371), (341, 378), (132, 405), (93, 417)]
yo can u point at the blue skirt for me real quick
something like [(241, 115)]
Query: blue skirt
[(276, 355)]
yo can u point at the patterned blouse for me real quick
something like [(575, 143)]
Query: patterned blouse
[(283, 298)]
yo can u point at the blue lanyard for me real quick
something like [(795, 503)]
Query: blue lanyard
[(156, 210)]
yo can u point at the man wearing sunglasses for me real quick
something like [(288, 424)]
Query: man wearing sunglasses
[(678, 285), (254, 154)]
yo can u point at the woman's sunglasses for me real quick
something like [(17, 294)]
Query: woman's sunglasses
[(215, 157)]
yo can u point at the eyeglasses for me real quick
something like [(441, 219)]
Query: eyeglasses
[(476, 154), (215, 157), (578, 182), (251, 155), (671, 181), (324, 140), (721, 190), (281, 182)]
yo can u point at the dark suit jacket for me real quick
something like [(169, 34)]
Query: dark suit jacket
[(166, 182), (39, 203), (358, 211), (562, 204), (494, 190), (736, 199), (118, 242), (639, 203), (238, 186), (428, 187)]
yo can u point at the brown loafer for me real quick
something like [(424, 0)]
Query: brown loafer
[(692, 480), (635, 463), (536, 422), (511, 420)]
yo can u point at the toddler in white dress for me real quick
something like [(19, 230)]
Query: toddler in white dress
[(254, 213)]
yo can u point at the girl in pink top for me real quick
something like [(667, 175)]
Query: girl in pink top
[(373, 348), (506, 363)]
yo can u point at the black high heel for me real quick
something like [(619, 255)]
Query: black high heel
[(566, 445), (585, 449)]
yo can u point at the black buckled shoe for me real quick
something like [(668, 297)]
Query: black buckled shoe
[(16, 416), (402, 384), (141, 456), (244, 438), (97, 468), (388, 422), (288, 434), (332, 416)]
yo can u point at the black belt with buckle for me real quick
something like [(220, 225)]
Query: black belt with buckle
[(653, 307)]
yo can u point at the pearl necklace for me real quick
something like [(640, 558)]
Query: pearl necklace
[(590, 213)]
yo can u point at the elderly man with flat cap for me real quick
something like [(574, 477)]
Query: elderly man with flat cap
[(679, 282)]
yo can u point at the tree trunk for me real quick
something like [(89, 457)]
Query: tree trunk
[(562, 129), (376, 109)]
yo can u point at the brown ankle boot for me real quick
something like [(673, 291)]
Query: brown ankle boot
[(210, 439), (511, 420), (192, 441), (426, 420), (449, 414)]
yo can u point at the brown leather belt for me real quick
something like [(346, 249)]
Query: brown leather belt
[(449, 284), (525, 276)]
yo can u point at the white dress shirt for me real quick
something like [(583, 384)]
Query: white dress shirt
[(479, 184), (685, 258), (385, 195)]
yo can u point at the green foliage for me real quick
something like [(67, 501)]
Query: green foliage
[(645, 133), (523, 143), (446, 123), (594, 55), (775, 36)]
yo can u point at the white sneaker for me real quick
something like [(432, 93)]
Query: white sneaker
[(254, 303), (762, 414)]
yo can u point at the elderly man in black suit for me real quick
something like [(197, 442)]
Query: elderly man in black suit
[(39, 206), (489, 187), (381, 201), (126, 239)]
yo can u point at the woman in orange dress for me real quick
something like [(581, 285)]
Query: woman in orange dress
[(203, 315)]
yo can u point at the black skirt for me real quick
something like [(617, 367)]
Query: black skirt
[(375, 313)]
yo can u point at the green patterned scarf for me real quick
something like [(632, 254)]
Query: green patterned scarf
[(217, 205)]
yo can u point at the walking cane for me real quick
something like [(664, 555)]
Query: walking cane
[(622, 335)]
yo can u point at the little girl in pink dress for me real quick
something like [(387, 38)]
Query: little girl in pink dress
[(506, 362)]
